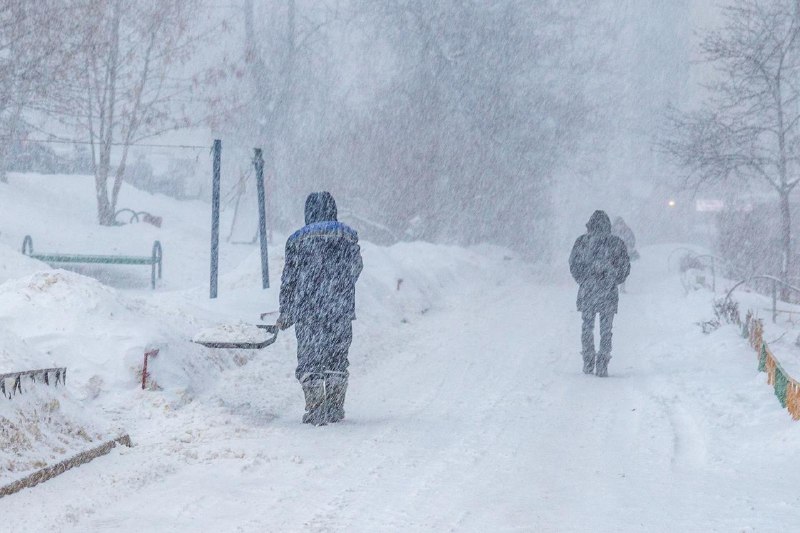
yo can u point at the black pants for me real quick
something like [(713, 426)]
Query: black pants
[(323, 346), (587, 334)]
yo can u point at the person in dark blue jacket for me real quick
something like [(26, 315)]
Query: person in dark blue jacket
[(599, 262), (323, 262)]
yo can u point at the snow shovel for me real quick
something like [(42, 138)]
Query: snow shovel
[(272, 329)]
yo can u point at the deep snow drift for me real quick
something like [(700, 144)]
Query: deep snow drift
[(467, 408)]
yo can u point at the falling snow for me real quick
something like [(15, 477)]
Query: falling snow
[(443, 182)]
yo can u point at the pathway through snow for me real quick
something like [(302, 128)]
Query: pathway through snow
[(477, 418)]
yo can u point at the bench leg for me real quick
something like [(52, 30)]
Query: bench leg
[(157, 255)]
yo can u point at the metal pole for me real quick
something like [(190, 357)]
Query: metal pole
[(215, 217), (258, 162)]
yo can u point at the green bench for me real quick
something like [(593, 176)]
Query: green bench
[(154, 260)]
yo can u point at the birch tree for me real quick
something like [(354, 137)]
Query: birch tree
[(130, 81)]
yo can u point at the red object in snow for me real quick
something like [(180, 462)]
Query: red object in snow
[(151, 353)]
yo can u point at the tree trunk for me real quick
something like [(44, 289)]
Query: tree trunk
[(105, 213), (118, 178), (3, 164), (5, 147), (786, 243), (105, 207)]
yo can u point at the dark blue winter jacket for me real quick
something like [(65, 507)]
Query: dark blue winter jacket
[(599, 262), (323, 262)]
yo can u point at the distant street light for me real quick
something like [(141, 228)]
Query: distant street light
[(671, 203)]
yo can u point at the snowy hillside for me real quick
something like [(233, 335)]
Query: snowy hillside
[(467, 409)]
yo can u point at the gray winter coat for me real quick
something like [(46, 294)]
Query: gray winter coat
[(323, 262), (599, 262)]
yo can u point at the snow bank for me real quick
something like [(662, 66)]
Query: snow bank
[(101, 334), (43, 426), (62, 319), (409, 278), (16, 354), (14, 265)]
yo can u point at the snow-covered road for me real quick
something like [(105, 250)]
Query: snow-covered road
[(472, 417)]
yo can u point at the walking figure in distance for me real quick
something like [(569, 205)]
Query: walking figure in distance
[(323, 262), (599, 263), (624, 232)]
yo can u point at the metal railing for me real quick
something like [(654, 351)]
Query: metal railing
[(707, 261), (136, 215), (713, 263), (774, 283)]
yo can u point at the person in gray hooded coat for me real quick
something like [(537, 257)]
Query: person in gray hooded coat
[(323, 262), (599, 262)]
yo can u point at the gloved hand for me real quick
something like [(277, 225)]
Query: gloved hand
[(283, 322)]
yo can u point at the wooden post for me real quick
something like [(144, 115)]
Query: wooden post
[(50, 472)]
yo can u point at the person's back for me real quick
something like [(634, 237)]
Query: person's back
[(624, 232), (599, 263), (323, 262), (596, 267)]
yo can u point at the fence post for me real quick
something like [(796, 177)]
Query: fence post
[(258, 163), (215, 194)]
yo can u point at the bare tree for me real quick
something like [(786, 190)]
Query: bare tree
[(130, 81), (749, 128), (32, 55)]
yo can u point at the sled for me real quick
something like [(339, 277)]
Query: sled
[(245, 345)]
